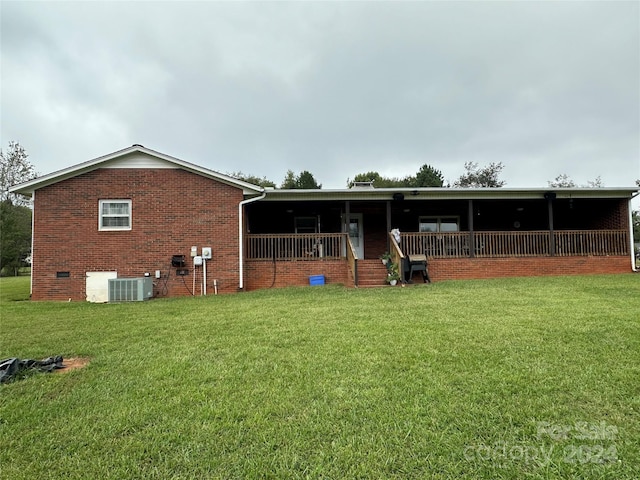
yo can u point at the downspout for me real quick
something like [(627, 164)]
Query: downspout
[(33, 223), (241, 234), (634, 267)]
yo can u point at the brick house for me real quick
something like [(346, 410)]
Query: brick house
[(138, 213)]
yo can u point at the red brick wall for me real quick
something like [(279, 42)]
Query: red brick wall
[(171, 210), (260, 273), (475, 268)]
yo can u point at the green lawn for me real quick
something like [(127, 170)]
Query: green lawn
[(518, 378)]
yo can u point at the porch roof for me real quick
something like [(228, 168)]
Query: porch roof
[(444, 193)]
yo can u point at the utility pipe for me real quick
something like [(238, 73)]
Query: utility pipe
[(241, 234), (204, 276)]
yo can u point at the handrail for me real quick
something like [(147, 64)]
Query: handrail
[(352, 259), (397, 256)]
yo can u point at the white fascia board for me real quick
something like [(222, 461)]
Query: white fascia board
[(444, 193)]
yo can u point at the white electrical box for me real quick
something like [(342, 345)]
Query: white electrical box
[(206, 253), (197, 260), (194, 251)]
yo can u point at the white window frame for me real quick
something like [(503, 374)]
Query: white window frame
[(438, 221), (102, 215)]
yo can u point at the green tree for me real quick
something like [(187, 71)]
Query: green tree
[(14, 169), (253, 179), (365, 177), (428, 176), (15, 236), (304, 180), (15, 216), (289, 181), (382, 182), (476, 177)]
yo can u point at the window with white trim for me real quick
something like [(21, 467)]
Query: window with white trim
[(114, 215), (438, 224)]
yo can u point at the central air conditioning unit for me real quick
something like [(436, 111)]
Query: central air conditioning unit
[(130, 289)]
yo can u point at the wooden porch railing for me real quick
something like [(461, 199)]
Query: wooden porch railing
[(301, 246), (591, 242), (352, 260), (516, 244), (442, 245)]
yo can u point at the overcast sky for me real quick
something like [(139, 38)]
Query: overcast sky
[(336, 88)]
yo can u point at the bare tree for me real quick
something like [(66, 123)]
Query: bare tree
[(562, 181), (477, 177), (595, 183)]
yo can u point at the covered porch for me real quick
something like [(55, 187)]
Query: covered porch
[(353, 226)]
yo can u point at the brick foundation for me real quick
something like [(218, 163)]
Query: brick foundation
[(260, 274), (477, 268), (265, 274)]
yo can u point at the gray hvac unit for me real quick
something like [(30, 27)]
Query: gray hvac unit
[(130, 289)]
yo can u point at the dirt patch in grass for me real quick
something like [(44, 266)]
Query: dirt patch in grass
[(73, 363)]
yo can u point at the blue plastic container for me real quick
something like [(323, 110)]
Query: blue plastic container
[(316, 280)]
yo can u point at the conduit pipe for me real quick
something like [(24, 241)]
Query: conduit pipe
[(241, 234)]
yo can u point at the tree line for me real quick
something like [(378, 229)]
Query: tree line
[(427, 176)]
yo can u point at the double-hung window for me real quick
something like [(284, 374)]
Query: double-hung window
[(114, 215), (439, 224)]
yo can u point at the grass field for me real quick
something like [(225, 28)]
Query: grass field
[(518, 379)]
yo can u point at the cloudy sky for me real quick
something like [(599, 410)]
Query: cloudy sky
[(336, 88)]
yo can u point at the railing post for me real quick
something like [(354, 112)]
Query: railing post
[(472, 240), (388, 223), (550, 196)]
